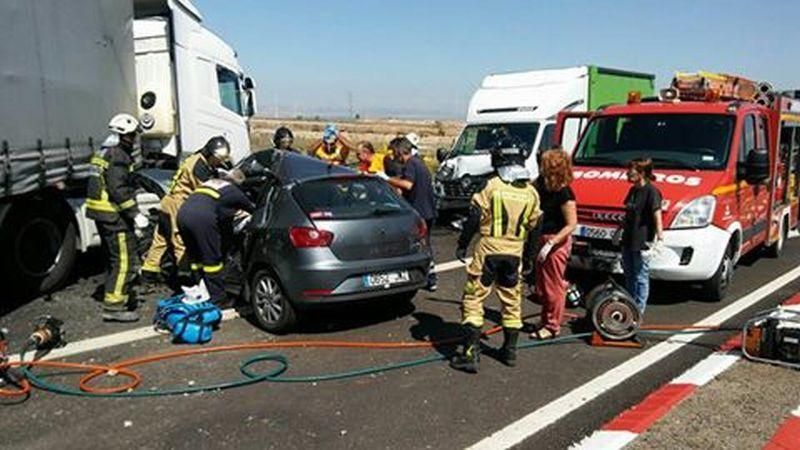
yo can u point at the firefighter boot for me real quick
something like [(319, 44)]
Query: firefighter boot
[(119, 312), (469, 359), (508, 352)]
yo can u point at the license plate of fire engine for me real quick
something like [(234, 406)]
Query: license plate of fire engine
[(386, 278), (595, 232)]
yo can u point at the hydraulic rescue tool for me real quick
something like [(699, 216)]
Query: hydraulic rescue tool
[(773, 337)]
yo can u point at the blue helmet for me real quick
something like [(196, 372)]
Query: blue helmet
[(331, 132)]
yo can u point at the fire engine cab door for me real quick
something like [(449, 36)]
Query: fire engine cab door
[(753, 199), (569, 128)]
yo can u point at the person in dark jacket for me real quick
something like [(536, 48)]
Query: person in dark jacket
[(195, 170), (205, 221), (414, 181), (111, 203), (642, 229)]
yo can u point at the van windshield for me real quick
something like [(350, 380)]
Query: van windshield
[(675, 141), (477, 139)]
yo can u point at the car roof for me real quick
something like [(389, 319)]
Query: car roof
[(296, 167)]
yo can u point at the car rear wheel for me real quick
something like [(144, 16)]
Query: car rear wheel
[(273, 310)]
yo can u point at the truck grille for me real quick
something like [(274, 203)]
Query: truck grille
[(601, 216), (463, 189)]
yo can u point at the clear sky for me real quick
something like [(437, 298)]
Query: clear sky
[(425, 57)]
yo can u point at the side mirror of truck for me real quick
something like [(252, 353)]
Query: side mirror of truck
[(756, 167), (441, 154)]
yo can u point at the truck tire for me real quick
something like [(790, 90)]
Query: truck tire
[(716, 287), (39, 244), (775, 250)]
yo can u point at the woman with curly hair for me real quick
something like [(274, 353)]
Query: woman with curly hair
[(558, 222)]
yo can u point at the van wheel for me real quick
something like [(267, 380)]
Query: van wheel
[(716, 287), (274, 311), (40, 248), (775, 250)]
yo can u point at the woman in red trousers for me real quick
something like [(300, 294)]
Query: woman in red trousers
[(559, 219)]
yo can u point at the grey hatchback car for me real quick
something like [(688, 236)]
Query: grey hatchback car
[(324, 235)]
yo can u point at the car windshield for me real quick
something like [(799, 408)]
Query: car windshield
[(675, 141), (477, 139), (347, 198)]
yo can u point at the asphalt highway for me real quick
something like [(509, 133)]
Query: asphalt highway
[(430, 406)]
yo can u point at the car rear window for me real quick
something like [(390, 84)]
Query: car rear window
[(344, 198)]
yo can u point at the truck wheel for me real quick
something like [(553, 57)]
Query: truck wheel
[(715, 288), (274, 311), (40, 248), (775, 250)]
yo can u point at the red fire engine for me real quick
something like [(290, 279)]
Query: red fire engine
[(727, 156)]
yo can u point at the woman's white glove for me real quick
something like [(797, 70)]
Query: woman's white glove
[(382, 175), (545, 251)]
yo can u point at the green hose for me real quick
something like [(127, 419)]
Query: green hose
[(273, 375)]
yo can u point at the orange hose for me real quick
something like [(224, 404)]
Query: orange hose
[(95, 371)]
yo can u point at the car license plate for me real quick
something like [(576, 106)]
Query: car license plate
[(386, 278), (595, 232)]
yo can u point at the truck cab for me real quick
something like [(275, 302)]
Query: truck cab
[(525, 105), (190, 85), (727, 189)]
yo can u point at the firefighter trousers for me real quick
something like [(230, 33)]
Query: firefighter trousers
[(203, 240), (493, 270), (120, 243), (166, 239)]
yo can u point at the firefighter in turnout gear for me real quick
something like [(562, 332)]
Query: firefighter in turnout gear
[(111, 203), (503, 212), (195, 170), (205, 222)]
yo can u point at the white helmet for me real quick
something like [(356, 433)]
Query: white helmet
[(123, 124), (414, 139)]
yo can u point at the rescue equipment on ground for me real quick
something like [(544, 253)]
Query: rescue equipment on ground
[(574, 296), (613, 311), (190, 317), (773, 337)]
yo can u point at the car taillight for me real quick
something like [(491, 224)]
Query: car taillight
[(422, 229), (304, 237)]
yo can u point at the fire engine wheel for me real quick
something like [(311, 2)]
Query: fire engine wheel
[(715, 288), (775, 250)]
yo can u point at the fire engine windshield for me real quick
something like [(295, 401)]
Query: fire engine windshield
[(476, 139), (674, 141)]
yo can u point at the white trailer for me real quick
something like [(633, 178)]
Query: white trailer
[(67, 67)]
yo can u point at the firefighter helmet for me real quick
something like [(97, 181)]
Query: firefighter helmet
[(218, 147), (124, 123)]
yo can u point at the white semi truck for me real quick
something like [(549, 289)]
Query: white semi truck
[(525, 105), (67, 67)]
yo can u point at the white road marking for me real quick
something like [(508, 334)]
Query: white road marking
[(547, 415), (605, 440), (138, 334), (707, 369)]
